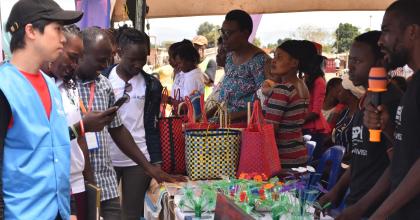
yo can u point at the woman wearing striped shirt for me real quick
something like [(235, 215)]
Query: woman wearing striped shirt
[(287, 104)]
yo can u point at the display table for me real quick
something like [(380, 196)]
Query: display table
[(161, 202), (179, 215)]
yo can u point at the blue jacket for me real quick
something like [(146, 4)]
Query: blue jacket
[(36, 165)]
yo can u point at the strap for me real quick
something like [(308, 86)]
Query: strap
[(190, 109), (203, 110), (172, 145), (177, 95), (177, 99), (165, 96), (91, 98), (257, 117)]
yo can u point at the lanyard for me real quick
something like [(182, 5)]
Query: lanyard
[(91, 97)]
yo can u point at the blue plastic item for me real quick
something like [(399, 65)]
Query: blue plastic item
[(334, 154), (310, 146), (195, 101)]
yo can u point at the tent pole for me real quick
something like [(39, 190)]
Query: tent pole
[(140, 14)]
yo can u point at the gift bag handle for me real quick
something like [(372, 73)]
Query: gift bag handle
[(177, 94), (203, 111), (165, 96), (257, 116), (177, 97), (190, 109)]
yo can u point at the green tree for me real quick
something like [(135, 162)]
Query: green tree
[(345, 34), (210, 31), (257, 42), (328, 48)]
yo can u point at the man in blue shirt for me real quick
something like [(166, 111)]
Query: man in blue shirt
[(35, 138)]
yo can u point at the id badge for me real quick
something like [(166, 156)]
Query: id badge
[(91, 140)]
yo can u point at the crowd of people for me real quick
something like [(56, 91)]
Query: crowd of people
[(77, 107)]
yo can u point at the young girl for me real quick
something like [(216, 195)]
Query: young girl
[(287, 104), (171, 53), (332, 108), (190, 79), (315, 123)]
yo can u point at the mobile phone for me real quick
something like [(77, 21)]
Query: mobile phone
[(121, 101)]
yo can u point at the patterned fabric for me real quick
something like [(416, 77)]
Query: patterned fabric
[(211, 154), (242, 81), (100, 158), (286, 110)]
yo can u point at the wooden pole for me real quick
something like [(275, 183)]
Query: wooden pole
[(140, 15)]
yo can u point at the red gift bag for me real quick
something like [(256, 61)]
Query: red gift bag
[(172, 141), (204, 122), (259, 152), (192, 123)]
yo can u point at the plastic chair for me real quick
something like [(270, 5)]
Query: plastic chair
[(310, 146), (343, 202), (337, 210), (335, 155)]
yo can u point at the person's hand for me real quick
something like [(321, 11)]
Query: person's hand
[(350, 213), (169, 100), (266, 84), (329, 197), (96, 121), (376, 117), (159, 175), (266, 88)]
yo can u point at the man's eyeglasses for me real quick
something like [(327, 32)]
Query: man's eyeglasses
[(127, 88), (226, 33)]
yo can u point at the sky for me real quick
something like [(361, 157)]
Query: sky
[(272, 26)]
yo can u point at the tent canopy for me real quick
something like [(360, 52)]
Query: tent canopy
[(175, 8)]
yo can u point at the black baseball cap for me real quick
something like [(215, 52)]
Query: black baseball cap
[(27, 11)]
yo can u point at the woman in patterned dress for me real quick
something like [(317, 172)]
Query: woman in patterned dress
[(245, 64)]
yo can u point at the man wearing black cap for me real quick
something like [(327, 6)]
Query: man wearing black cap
[(33, 127)]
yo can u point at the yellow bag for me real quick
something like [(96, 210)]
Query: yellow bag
[(212, 153)]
